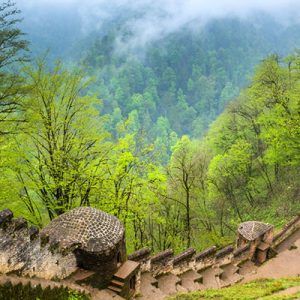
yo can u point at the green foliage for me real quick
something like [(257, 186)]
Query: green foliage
[(256, 148), (62, 147), (140, 161), (188, 77), (12, 48), (27, 292), (229, 175)]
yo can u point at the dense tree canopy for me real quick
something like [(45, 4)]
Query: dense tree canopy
[(12, 49), (61, 161), (188, 77), (141, 153)]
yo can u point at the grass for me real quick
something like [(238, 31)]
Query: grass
[(260, 289)]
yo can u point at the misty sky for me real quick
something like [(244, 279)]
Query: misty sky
[(193, 6), (160, 17)]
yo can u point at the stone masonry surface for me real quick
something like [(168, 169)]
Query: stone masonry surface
[(251, 230), (92, 230)]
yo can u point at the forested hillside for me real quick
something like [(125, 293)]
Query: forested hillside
[(184, 80), (181, 138), (179, 82)]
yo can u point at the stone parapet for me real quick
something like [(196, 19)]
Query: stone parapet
[(183, 257), (140, 255), (224, 251), (206, 253), (288, 229), (183, 261), (165, 263), (24, 252)]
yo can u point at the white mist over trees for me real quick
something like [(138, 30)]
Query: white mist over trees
[(152, 20)]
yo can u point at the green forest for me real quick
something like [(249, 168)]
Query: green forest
[(182, 140)]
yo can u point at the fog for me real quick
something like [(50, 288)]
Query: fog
[(153, 18)]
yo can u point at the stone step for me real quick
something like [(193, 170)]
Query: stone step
[(117, 283), (191, 286), (169, 283), (228, 271), (211, 277), (181, 289), (221, 283), (149, 288), (192, 276), (218, 271), (149, 279), (115, 289), (151, 294), (192, 281), (236, 278), (247, 267), (232, 267)]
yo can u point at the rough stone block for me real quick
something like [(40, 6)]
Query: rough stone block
[(5, 216), (33, 232), (19, 223)]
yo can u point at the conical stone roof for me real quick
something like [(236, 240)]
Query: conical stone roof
[(90, 229), (251, 230)]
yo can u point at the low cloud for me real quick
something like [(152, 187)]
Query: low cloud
[(160, 17)]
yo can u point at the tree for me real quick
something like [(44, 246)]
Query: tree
[(124, 190), (12, 52), (185, 175), (230, 181), (63, 148), (279, 85)]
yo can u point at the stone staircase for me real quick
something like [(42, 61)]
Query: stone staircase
[(116, 285), (192, 281), (168, 284), (230, 275), (149, 288), (120, 283), (211, 277), (158, 276), (163, 275), (246, 267)]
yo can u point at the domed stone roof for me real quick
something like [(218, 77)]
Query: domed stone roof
[(251, 230), (90, 229)]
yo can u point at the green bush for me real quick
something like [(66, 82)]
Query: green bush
[(27, 292)]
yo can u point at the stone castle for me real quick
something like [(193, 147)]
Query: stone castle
[(85, 250)]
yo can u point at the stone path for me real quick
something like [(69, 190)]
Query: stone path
[(285, 264), (289, 291)]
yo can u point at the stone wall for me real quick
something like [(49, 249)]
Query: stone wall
[(166, 263), (287, 230), (27, 252), (24, 252)]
